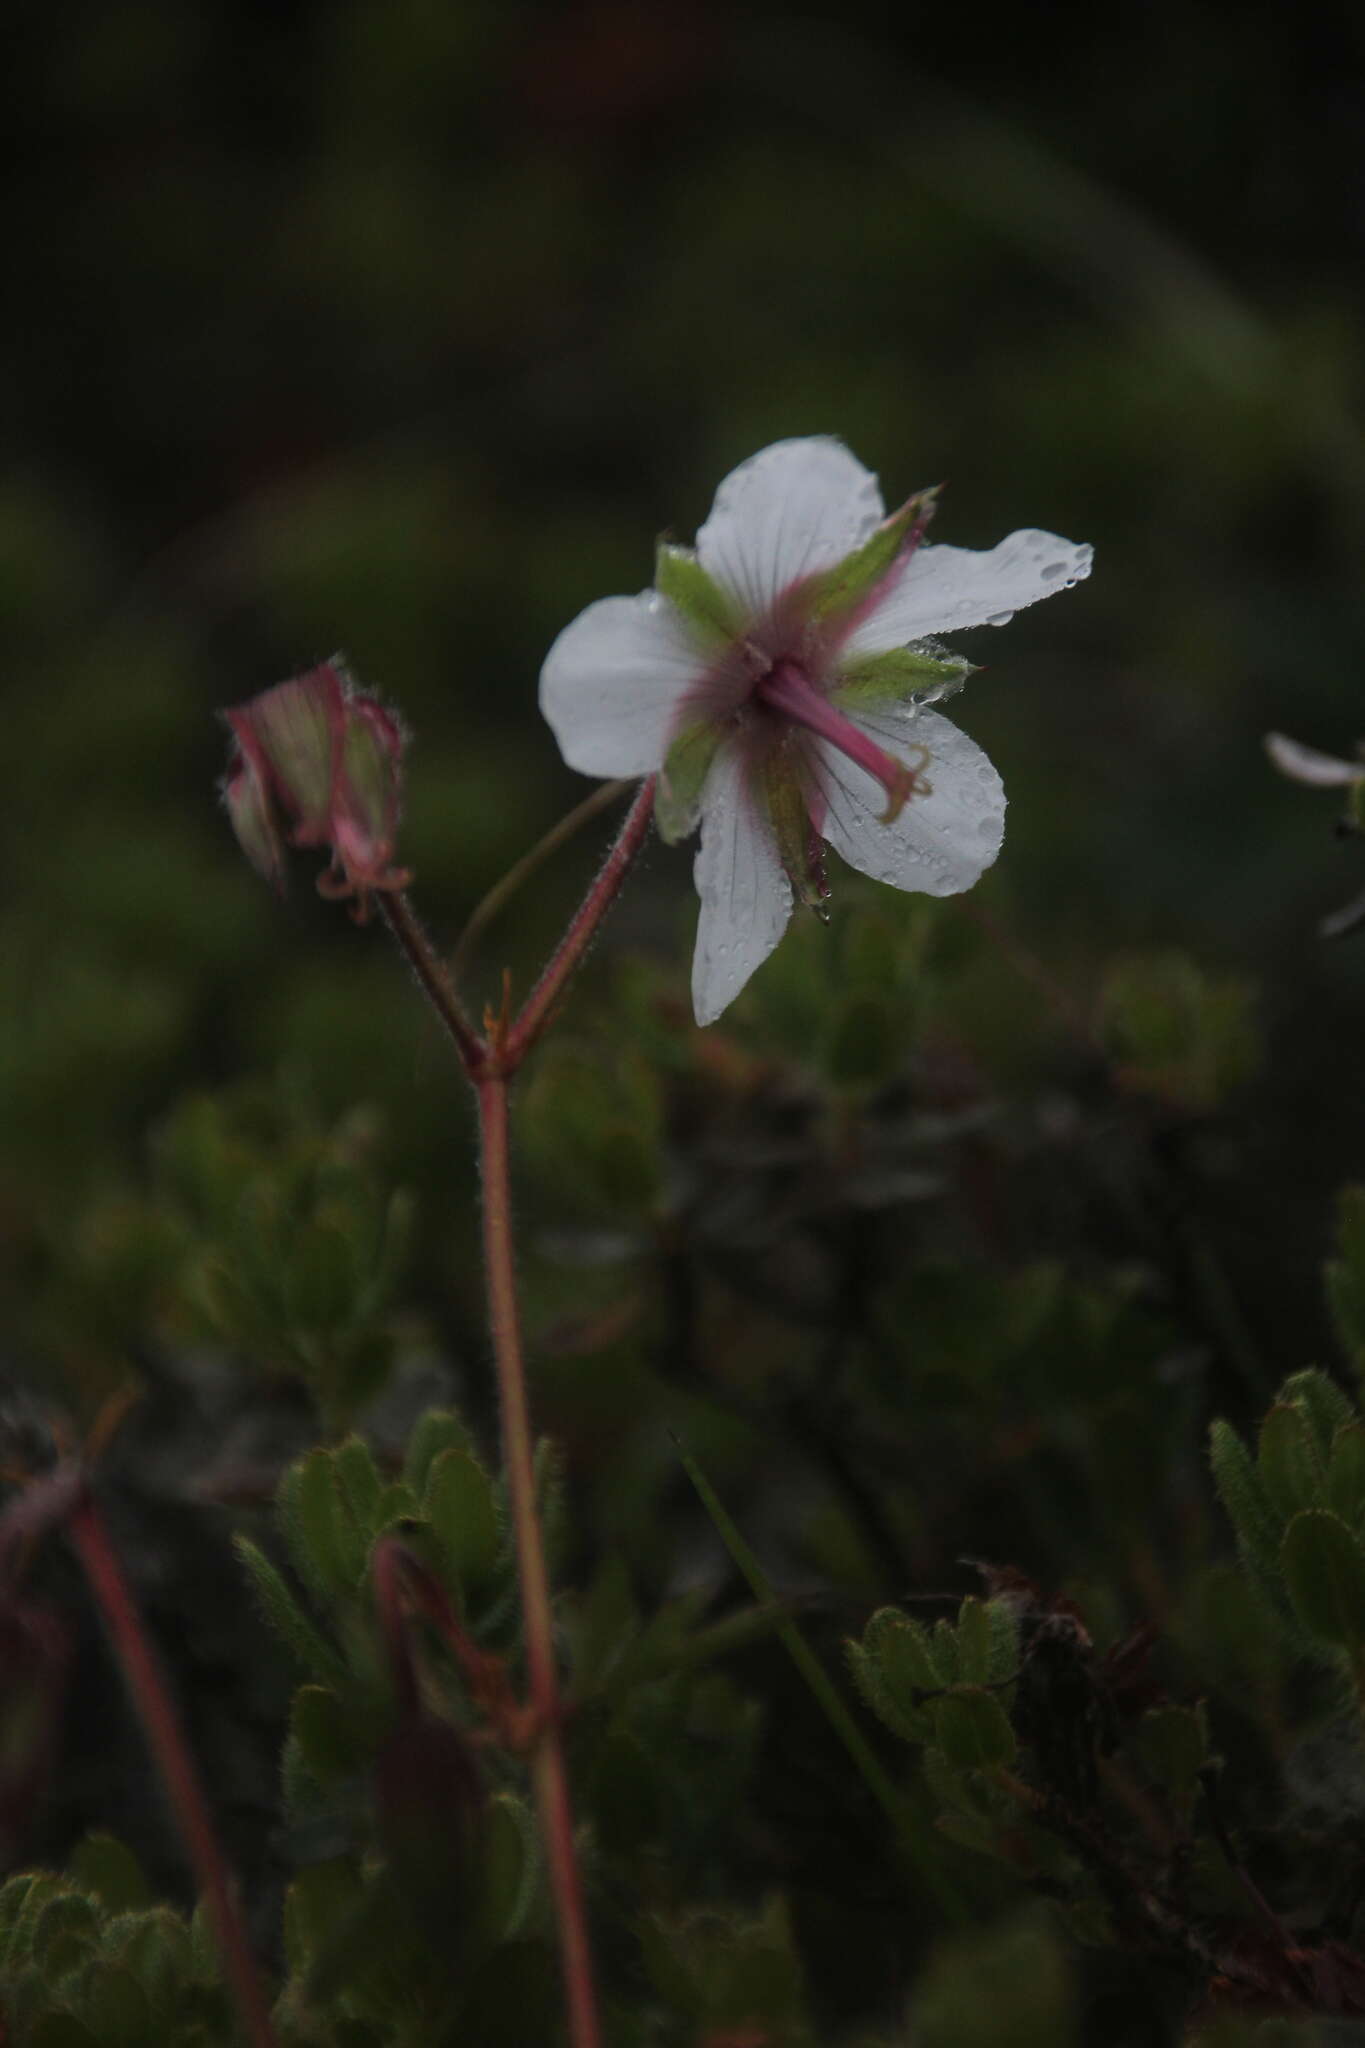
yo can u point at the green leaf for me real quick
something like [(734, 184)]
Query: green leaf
[(320, 1278), (329, 1551), (330, 1744), (64, 1932), (322, 1897), (974, 1641), (680, 577), (899, 1651), (117, 2004), (1287, 1459), (360, 1483), (686, 765), (604, 1624), (1173, 1743), (1239, 1488), (1346, 1475), (840, 590), (1322, 1401), (1010, 1985), (907, 1825), (104, 1866), (974, 1730), (461, 1507), (898, 1670), (440, 1429), (1324, 1568), (1002, 1656), (285, 1616), (943, 1650), (62, 2030), (899, 673), (155, 1946), (511, 1866)]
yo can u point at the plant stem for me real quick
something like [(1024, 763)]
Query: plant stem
[(548, 1762), (915, 1836), (435, 984), (536, 1010), (487, 908), (166, 1739)]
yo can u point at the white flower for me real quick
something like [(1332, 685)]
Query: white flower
[(777, 680)]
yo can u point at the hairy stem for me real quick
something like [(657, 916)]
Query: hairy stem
[(521, 871), (539, 1005), (156, 1710), (548, 1763), (435, 984)]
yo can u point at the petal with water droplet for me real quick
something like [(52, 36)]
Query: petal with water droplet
[(945, 589), (792, 510), (943, 839), (746, 898), (612, 683)]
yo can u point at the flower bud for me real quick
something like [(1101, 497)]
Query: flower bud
[(254, 819), (318, 764)]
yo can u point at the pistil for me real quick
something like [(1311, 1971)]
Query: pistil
[(788, 690)]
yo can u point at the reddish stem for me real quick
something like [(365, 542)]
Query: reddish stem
[(436, 985), (548, 1762), (536, 1010), (166, 1739)]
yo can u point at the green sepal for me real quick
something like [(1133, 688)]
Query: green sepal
[(680, 577), (899, 673), (686, 765), (1324, 1568), (789, 816), (841, 588)]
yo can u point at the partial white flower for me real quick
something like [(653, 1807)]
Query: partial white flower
[(777, 680), (1310, 764)]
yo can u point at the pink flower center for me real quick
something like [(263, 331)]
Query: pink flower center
[(788, 690)]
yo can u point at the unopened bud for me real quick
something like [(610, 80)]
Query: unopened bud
[(254, 819), (318, 764)]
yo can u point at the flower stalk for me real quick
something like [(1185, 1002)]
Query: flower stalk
[(99, 1560), (491, 1060)]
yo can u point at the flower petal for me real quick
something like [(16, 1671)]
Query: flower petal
[(944, 589), (792, 509), (943, 838), (1310, 764), (612, 681), (746, 898)]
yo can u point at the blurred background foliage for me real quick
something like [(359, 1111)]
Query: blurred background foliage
[(405, 326)]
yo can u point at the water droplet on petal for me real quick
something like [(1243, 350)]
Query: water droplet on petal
[(999, 618), (986, 828), (1053, 571)]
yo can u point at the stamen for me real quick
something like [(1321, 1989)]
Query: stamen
[(787, 689)]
